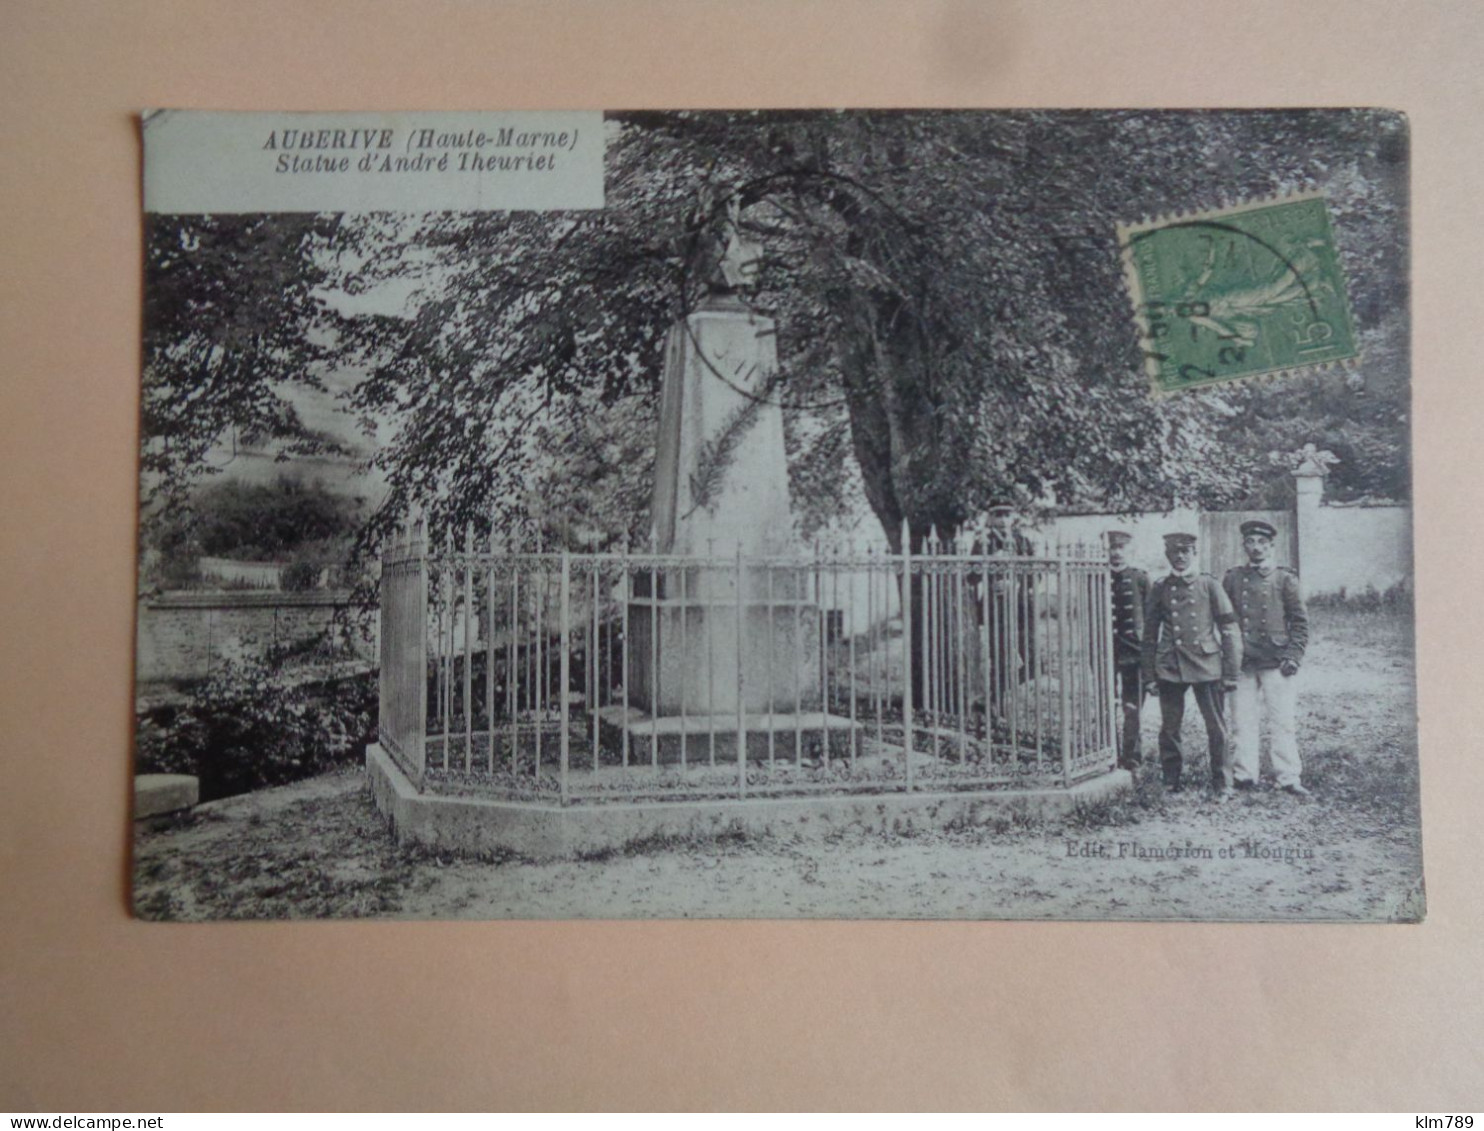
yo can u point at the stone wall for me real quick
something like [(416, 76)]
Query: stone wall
[(186, 635), (1355, 548), (1147, 550)]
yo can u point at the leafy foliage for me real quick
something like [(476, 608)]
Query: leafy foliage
[(949, 300), (299, 576), (539, 327), (260, 521), (234, 314), (278, 521), (248, 726), (1397, 598), (1361, 417), (715, 454), (953, 326)]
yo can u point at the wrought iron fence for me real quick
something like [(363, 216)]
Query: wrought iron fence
[(599, 677)]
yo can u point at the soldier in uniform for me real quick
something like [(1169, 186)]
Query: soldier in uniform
[(1129, 592), (1275, 633), (1010, 607), (1190, 642)]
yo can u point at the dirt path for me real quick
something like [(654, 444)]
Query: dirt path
[(1353, 851)]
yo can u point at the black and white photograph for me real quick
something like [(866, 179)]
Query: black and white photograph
[(861, 514)]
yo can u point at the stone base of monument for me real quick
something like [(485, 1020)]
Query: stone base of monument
[(688, 655), (548, 831), (158, 795), (776, 736)]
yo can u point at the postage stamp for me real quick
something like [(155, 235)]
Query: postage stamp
[(1243, 291)]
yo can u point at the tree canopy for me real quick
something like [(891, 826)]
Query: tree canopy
[(953, 323), (234, 314)]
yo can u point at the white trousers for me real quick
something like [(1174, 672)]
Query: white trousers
[(1265, 688)]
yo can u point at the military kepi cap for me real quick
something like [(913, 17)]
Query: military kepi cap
[(1119, 537), (1174, 540), (1258, 526)]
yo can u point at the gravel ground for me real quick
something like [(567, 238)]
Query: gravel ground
[(1351, 852)]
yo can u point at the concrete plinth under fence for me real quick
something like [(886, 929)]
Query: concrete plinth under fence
[(473, 825)]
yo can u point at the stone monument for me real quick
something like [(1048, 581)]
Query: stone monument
[(728, 640)]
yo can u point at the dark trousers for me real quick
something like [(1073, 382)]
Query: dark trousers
[(1012, 649), (1211, 700), (1131, 695)]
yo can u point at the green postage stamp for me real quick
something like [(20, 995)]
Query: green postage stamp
[(1243, 291)]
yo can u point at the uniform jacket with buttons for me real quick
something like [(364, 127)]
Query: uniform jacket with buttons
[(1190, 631), (1270, 611), (1007, 590), (1129, 588)]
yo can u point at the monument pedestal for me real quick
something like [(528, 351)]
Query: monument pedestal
[(705, 656)]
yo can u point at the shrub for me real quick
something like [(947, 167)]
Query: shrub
[(247, 727), (1394, 599), (300, 576), (259, 522), (262, 521), (176, 572)]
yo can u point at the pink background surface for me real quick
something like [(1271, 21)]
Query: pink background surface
[(99, 1012)]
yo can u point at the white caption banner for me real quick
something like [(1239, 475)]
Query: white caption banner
[(202, 161)]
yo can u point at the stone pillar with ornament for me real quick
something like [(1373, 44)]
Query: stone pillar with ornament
[(1311, 470)]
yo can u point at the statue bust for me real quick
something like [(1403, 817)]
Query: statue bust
[(730, 261)]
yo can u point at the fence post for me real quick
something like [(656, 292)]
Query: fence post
[(990, 661), (1308, 503), (1064, 669), (848, 626), (489, 646), (540, 656), (741, 686), (654, 649), (626, 592), (824, 658), (470, 630), (419, 551), (1114, 712), (961, 646), (907, 649), (445, 644), (566, 663), (389, 720)]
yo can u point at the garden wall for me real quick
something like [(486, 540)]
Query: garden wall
[(1337, 547), (1355, 548), (186, 635)]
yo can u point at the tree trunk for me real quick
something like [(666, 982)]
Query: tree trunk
[(893, 431)]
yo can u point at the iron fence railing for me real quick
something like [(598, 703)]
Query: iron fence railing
[(591, 677)]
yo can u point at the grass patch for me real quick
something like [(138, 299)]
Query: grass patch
[(732, 839)]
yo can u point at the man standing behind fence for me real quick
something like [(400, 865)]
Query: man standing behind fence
[(1190, 641), (1010, 612), (1129, 593), (1275, 633)]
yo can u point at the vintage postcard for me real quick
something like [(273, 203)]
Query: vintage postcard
[(857, 514)]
